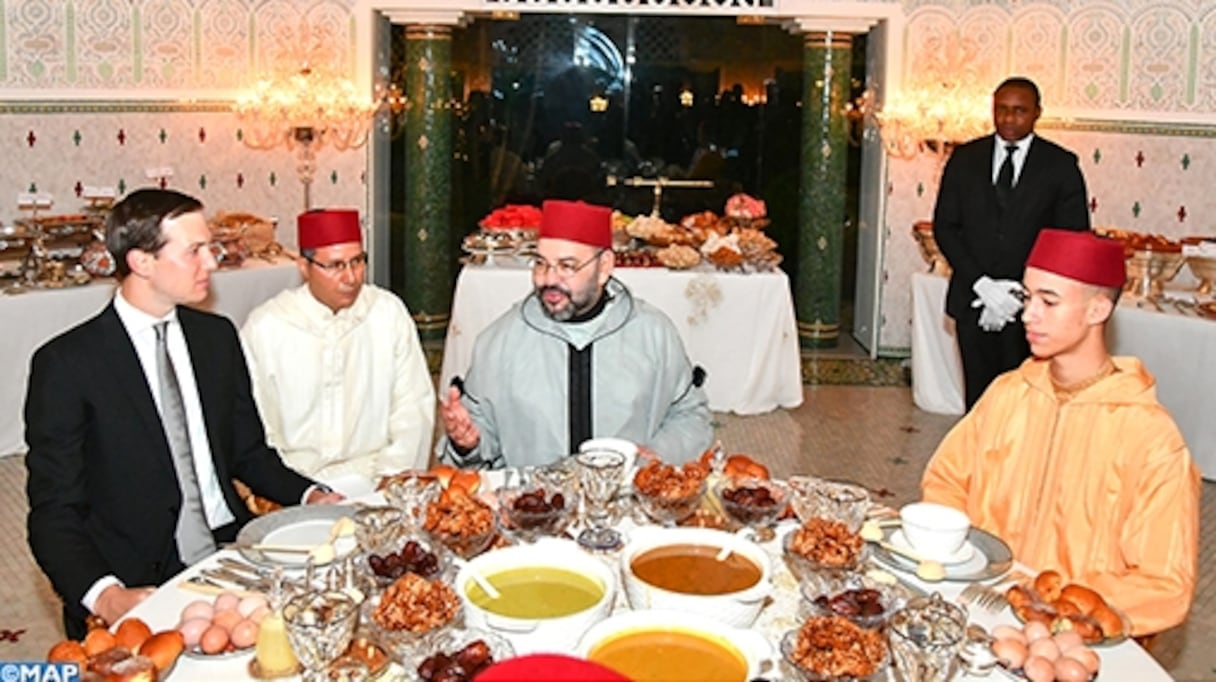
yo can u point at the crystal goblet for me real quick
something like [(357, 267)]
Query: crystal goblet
[(599, 476), (411, 493), (320, 626)]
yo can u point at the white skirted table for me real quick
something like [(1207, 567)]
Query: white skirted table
[(739, 327), (1169, 343), (30, 319)]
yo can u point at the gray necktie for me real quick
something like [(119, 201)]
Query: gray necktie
[(194, 539)]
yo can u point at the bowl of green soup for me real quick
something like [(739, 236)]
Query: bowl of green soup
[(548, 594)]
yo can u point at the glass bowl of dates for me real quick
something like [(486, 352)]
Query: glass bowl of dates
[(419, 555), (538, 508), (460, 655), (854, 596), (754, 502), (835, 649)]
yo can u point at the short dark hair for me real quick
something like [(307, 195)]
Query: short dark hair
[(135, 222), (1025, 84)]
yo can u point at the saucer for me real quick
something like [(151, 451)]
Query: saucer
[(962, 555), (991, 559)]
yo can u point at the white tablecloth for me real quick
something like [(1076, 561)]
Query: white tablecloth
[(739, 328), (28, 320), (1176, 348), (1126, 661)]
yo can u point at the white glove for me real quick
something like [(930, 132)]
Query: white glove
[(989, 320), (1001, 296)]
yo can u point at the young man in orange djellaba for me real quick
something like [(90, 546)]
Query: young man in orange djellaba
[(1070, 458)]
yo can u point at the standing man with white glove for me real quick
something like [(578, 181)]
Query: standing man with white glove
[(997, 192)]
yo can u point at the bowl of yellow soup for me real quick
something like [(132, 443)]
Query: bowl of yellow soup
[(549, 593), (653, 646), (686, 569)]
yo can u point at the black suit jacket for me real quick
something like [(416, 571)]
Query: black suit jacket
[(979, 238), (102, 487)]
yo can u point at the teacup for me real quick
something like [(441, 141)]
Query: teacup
[(933, 530)]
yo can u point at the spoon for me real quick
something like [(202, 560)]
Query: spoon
[(871, 530), (927, 570), (491, 591)]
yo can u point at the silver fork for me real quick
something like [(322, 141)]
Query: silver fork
[(989, 597)]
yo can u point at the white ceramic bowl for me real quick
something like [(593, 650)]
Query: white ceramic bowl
[(532, 635), (738, 609), (934, 530), (752, 646)]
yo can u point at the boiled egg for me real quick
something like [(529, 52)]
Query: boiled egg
[(1045, 648), (250, 604), (197, 609), (1068, 639), (1071, 670), (228, 619), (1010, 652), (1036, 631), (259, 614), (1039, 669), (214, 640), (1087, 657), (227, 601), (1009, 632), (192, 630), (245, 634)]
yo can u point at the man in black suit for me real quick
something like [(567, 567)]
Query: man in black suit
[(996, 193), (138, 420)]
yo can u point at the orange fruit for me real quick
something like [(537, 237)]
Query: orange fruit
[(97, 641), (131, 633)]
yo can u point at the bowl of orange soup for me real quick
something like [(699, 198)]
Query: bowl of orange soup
[(686, 569), (649, 646), (549, 593)]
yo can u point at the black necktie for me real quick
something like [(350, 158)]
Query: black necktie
[(1004, 179)]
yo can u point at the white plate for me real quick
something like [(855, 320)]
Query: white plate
[(992, 558), (307, 525), (964, 553)]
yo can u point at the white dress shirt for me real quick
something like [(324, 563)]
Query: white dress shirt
[(1019, 156), (140, 327)]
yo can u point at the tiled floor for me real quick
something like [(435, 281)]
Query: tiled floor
[(873, 435)]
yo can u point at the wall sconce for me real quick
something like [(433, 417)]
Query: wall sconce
[(686, 98), (598, 103)]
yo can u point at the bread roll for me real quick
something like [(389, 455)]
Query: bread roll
[(98, 641), (1033, 613), (1084, 598), (1048, 584), (163, 648), (1066, 608), (1108, 620), (68, 651), (1019, 596), (1085, 626), (131, 633)]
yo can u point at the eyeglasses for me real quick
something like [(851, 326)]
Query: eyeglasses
[(565, 268), (340, 266)]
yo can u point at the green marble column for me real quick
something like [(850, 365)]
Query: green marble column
[(821, 197), (426, 233)]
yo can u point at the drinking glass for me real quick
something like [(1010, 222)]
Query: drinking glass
[(320, 626), (925, 637), (599, 476), (411, 494), (378, 527)]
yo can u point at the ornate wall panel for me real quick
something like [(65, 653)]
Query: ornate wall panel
[(1097, 41), (1160, 63), (105, 47), (223, 39), (1036, 46)]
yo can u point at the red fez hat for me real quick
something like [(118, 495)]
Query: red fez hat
[(548, 667), (577, 222), (1080, 255), (324, 227)]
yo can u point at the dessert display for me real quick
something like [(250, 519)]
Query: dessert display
[(1152, 260), (238, 235)]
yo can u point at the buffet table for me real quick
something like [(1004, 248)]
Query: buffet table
[(1171, 345), (30, 319), (739, 327), (1123, 661)]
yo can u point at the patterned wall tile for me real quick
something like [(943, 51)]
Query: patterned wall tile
[(1160, 48), (1096, 44)]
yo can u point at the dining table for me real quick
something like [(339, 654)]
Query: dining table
[(1169, 335), (1125, 660), (32, 318), (739, 327)]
